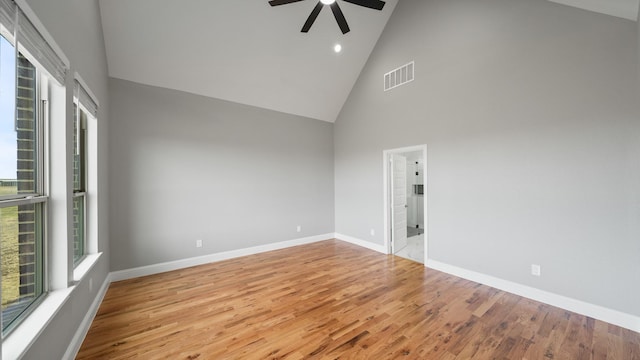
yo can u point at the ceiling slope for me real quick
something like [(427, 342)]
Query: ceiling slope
[(242, 51), (626, 9)]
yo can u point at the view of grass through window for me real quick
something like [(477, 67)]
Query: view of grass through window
[(10, 264), (20, 217)]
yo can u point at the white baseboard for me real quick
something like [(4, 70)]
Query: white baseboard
[(83, 329), (615, 317), (365, 244), (200, 260)]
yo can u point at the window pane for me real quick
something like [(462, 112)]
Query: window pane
[(79, 201), (8, 134), (22, 264), (78, 228), (79, 145), (76, 152), (26, 126), (18, 150)]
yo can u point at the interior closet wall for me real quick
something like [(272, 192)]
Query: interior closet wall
[(415, 185)]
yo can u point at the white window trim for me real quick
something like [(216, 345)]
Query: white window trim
[(22, 337)]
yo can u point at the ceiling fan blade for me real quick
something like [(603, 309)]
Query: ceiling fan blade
[(372, 4), (281, 2), (312, 17), (342, 22)]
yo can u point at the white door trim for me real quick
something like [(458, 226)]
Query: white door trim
[(386, 155)]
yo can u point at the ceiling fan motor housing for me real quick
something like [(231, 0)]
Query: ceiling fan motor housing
[(335, 8)]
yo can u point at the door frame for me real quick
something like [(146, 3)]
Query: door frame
[(386, 160)]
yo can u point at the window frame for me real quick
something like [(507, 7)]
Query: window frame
[(39, 197)]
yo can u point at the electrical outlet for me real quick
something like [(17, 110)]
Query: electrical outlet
[(373, 232), (535, 269), (199, 243), (299, 228)]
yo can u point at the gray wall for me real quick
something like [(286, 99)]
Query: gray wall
[(187, 167), (528, 110), (75, 26)]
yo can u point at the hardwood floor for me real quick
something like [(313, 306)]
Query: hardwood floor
[(333, 300)]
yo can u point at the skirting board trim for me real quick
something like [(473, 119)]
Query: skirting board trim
[(365, 244), (201, 260), (615, 317), (83, 329)]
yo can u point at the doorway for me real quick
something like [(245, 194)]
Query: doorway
[(405, 185)]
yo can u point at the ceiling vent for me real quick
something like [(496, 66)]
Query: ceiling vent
[(399, 76)]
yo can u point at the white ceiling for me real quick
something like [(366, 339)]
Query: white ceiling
[(627, 9), (244, 51), (249, 52)]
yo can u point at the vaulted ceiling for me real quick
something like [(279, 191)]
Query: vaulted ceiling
[(249, 52), (626, 9), (244, 51)]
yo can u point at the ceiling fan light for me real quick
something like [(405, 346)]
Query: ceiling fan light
[(327, 2)]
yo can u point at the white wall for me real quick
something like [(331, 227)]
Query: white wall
[(529, 112), (187, 167)]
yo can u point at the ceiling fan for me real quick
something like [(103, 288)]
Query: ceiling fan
[(335, 8)]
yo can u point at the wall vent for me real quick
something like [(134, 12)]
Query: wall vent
[(399, 76)]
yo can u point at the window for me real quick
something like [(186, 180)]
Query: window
[(33, 149), (23, 200), (84, 171), (79, 183)]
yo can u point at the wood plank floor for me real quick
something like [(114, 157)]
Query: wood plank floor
[(333, 300)]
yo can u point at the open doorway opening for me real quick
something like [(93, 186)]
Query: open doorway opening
[(405, 202)]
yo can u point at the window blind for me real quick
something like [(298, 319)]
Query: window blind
[(27, 35), (8, 15), (85, 99)]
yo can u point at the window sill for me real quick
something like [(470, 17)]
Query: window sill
[(22, 337), (85, 266)]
